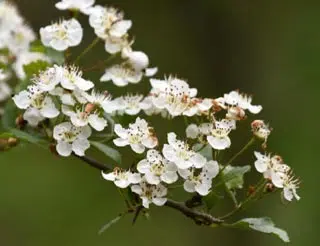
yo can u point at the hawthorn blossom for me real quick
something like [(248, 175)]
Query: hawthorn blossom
[(81, 5), (156, 168), (172, 94), (150, 109), (100, 101), (180, 153), (114, 45), (62, 35), (218, 138), (121, 178), (108, 21), (47, 80), (192, 131), (129, 104), (200, 182), (72, 79), (290, 186), (37, 103), (198, 106), (234, 99), (20, 38), (71, 139), (150, 193), (139, 136), (134, 67), (9, 16)]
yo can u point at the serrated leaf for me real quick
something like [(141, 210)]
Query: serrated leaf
[(8, 119), (211, 200), (109, 224), (264, 225), (108, 151), (233, 176), (56, 57), (35, 67)]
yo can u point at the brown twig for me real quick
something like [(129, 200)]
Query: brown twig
[(197, 216)]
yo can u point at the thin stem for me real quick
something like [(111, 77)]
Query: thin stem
[(261, 184), (93, 43), (239, 153)]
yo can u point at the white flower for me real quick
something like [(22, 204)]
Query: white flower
[(179, 153), (172, 94), (20, 38), (5, 90), (149, 109), (290, 187), (150, 193), (26, 58), (9, 16), (139, 136), (121, 178), (101, 100), (62, 35), (81, 118), (108, 22), (81, 5), (198, 106), (192, 131), (200, 182), (72, 79), (218, 138), (130, 71), (234, 98), (38, 105), (47, 80), (157, 169), (129, 104), (272, 168), (70, 138), (116, 44)]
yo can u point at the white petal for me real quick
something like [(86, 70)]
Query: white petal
[(49, 110), (84, 84), (109, 176), (143, 166), (64, 148), (169, 153), (98, 123), (22, 100), (138, 148), (120, 142), (136, 189), (120, 28), (79, 146), (192, 131), (212, 169), (219, 143), (189, 186), (122, 183), (33, 116), (134, 178), (120, 131), (169, 177), (151, 71), (152, 178), (159, 201), (203, 189), (261, 166), (198, 160), (150, 142)]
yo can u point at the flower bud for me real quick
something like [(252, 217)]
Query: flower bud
[(89, 108), (236, 113), (20, 122), (260, 129)]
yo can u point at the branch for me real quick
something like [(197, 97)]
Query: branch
[(197, 216)]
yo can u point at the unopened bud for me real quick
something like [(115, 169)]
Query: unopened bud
[(269, 187), (20, 122), (260, 129), (89, 108)]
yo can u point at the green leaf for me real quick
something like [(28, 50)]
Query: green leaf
[(8, 119), (109, 224), (35, 67), (24, 136), (6, 135), (264, 225), (211, 200), (206, 151), (233, 176), (56, 57), (108, 151), (37, 46)]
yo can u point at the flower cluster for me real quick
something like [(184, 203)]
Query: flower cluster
[(73, 113)]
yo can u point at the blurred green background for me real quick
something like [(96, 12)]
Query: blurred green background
[(270, 49)]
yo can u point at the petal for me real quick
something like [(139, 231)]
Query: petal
[(169, 177), (122, 183), (120, 131), (64, 148), (136, 189), (138, 148), (198, 160), (143, 166), (151, 71), (84, 84), (212, 169), (159, 201), (22, 100), (49, 110), (120, 28), (33, 116), (98, 123), (79, 146), (189, 186), (261, 166), (152, 178), (203, 189), (150, 142), (109, 176), (169, 153), (219, 143), (120, 142), (192, 131), (134, 178)]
